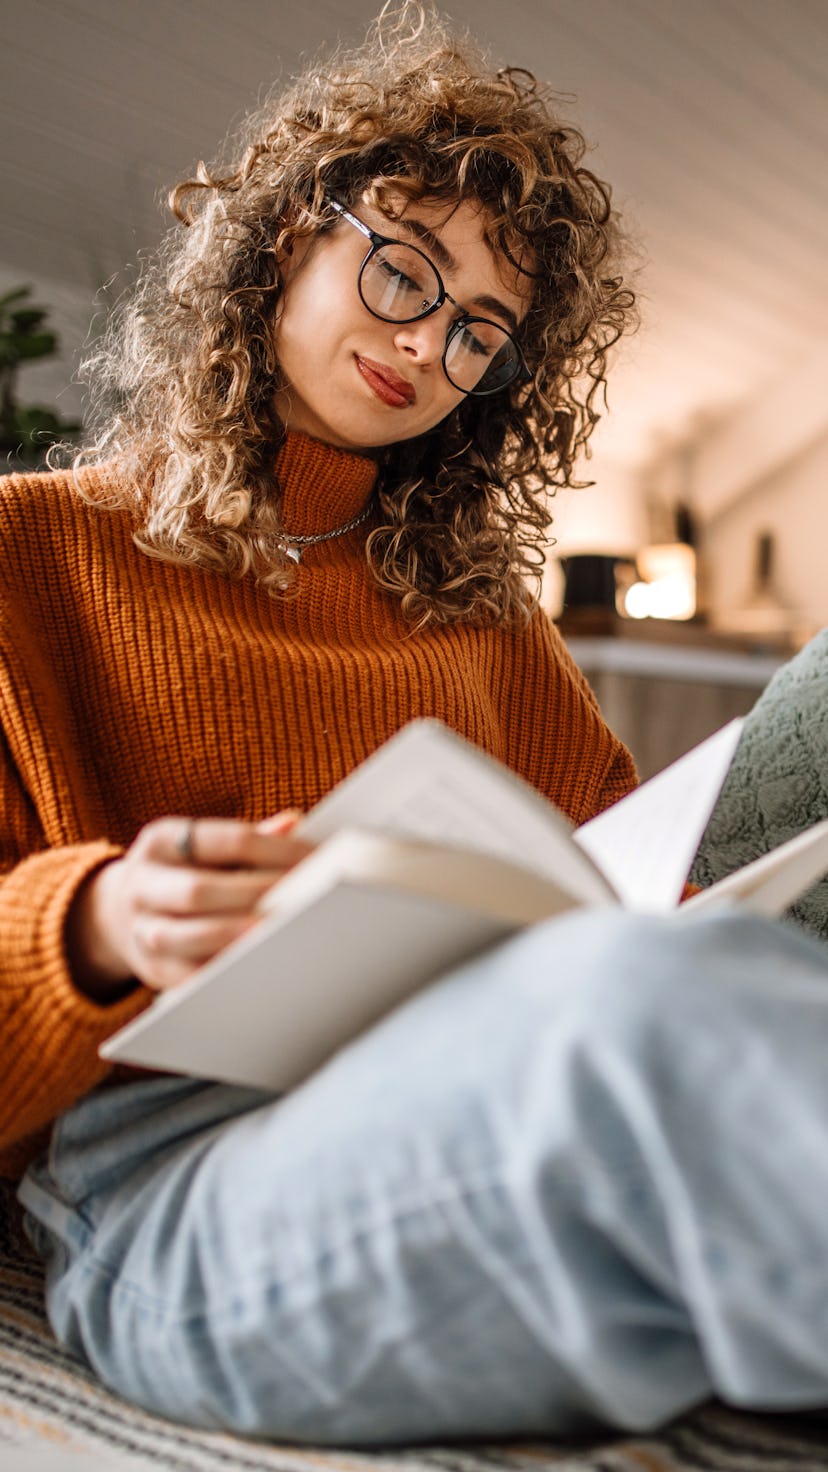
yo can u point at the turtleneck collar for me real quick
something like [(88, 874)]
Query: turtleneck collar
[(321, 486)]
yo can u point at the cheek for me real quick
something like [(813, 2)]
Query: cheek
[(303, 310), (444, 401)]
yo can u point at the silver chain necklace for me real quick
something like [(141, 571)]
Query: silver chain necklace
[(293, 546)]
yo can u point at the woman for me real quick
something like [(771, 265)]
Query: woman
[(308, 516), (337, 403)]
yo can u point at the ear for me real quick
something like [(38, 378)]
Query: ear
[(292, 259)]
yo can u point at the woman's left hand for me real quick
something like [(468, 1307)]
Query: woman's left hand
[(182, 891)]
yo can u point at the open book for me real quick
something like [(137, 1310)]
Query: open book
[(428, 853)]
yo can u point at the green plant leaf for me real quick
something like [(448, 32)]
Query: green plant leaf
[(15, 348), (37, 419), (26, 429), (14, 296), (28, 319)]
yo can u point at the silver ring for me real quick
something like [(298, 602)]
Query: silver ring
[(184, 846)]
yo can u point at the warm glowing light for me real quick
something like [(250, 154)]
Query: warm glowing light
[(668, 586)]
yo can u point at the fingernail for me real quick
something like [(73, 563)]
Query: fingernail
[(280, 822)]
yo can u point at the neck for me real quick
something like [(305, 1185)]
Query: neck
[(321, 487)]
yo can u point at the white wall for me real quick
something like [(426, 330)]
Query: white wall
[(762, 468), (606, 517), (792, 503)]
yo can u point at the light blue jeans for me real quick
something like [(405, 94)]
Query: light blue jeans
[(583, 1180)]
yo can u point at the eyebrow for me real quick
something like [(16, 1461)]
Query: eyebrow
[(447, 261)]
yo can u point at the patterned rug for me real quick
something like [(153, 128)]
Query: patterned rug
[(52, 1413)]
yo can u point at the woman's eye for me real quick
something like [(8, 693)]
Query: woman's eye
[(398, 277), (471, 343)]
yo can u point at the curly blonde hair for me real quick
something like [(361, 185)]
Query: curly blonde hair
[(186, 373)]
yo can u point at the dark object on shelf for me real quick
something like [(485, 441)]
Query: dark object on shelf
[(765, 618), (685, 525), (589, 581)]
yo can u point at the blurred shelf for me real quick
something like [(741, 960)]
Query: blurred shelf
[(668, 661), (663, 697), (694, 633)]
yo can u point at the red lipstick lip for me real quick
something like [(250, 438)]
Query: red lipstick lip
[(387, 384)]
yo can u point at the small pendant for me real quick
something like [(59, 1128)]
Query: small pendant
[(294, 553)]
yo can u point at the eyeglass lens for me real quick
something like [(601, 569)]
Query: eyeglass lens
[(399, 284)]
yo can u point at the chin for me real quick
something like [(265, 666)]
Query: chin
[(361, 433), (367, 443)]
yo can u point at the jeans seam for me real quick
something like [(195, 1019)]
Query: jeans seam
[(469, 1186)]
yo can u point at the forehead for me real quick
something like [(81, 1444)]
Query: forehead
[(455, 235)]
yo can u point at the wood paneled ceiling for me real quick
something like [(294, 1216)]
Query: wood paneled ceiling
[(710, 117)]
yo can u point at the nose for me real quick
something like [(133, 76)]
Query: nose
[(422, 341)]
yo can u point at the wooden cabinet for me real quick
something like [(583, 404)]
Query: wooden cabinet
[(661, 699)]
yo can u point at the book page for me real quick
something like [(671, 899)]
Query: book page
[(495, 887), (429, 783), (771, 883), (646, 843)]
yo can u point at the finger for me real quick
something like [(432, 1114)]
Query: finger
[(185, 842), (165, 942), (224, 842), (165, 889), (280, 823), (218, 843), (162, 973)]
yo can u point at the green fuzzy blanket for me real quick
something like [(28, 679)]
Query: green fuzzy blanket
[(778, 783)]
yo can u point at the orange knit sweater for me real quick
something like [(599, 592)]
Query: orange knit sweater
[(130, 688)]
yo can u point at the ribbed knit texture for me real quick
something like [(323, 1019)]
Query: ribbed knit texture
[(130, 688)]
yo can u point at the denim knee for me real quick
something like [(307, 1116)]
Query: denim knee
[(605, 969), (653, 988), (626, 962)]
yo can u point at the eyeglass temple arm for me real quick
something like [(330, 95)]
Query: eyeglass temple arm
[(371, 235)]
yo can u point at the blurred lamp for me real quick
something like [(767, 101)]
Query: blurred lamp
[(667, 586)]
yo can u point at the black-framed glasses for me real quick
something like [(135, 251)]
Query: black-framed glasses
[(398, 283)]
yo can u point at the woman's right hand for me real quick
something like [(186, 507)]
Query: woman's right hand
[(182, 892)]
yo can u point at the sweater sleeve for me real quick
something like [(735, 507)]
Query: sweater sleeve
[(567, 749), (620, 777), (50, 1030)]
